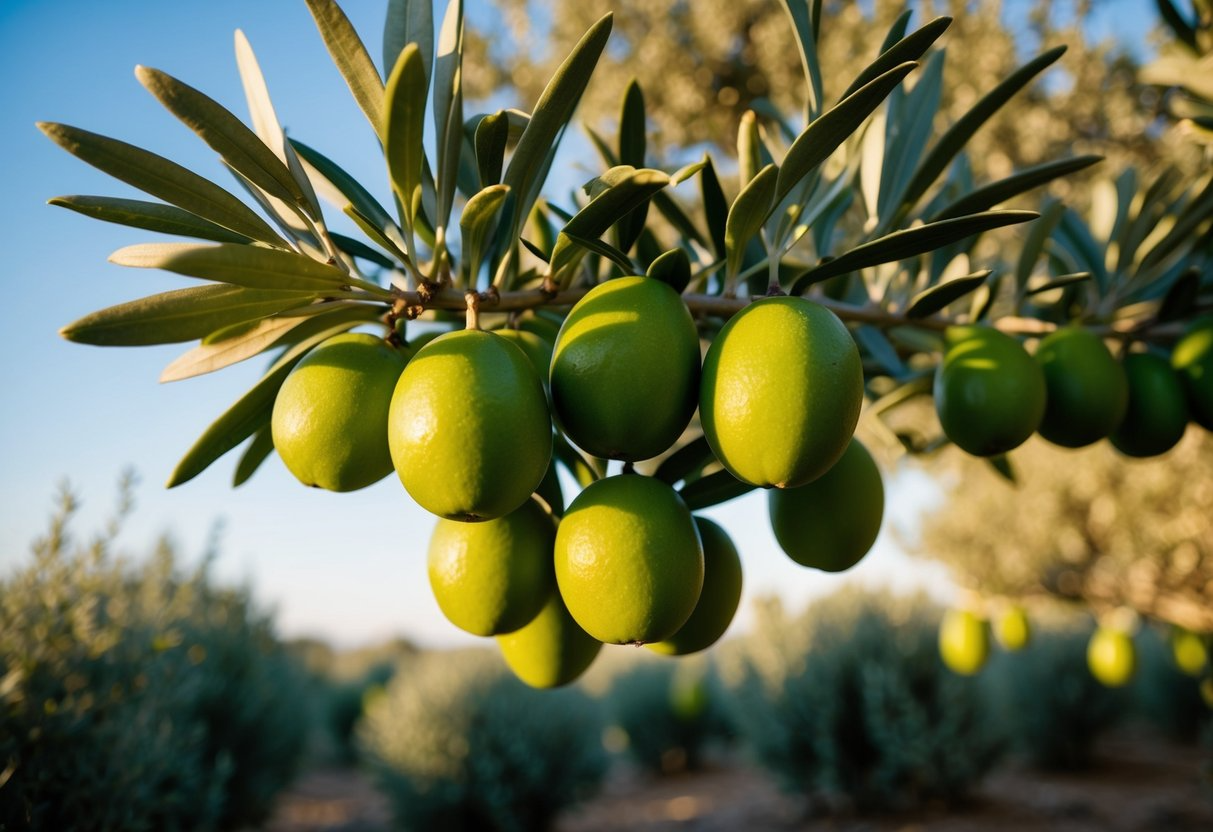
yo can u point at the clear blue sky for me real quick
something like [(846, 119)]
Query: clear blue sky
[(349, 567)]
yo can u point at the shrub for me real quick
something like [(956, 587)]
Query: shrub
[(851, 704), (458, 743), (1163, 693), (1051, 706), (138, 698), (672, 712), (344, 706)]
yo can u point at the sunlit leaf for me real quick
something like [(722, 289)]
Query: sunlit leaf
[(550, 117), (491, 135), (746, 216), (353, 61), (227, 135), (163, 179), (672, 268), (1025, 180), (347, 190), (909, 48), (1059, 282), (179, 315), (216, 354), (477, 224), (448, 109), (249, 266), (404, 128), (408, 21), (909, 243)]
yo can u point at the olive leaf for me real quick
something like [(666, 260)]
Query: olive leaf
[(477, 224), (352, 60), (1058, 283), (491, 136), (712, 490), (404, 127), (746, 216), (448, 109), (672, 268), (408, 21), (249, 266), (163, 179), (150, 216), (936, 298), (179, 315), (693, 456), (1025, 180)]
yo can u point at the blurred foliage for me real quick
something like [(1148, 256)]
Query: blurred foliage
[(1087, 524), (850, 703), (138, 697), (1049, 705), (1169, 698), (1184, 67), (459, 743), (345, 704), (672, 712), (703, 64)]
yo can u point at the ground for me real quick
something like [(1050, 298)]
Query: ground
[(1139, 784)]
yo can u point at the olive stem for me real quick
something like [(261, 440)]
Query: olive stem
[(720, 306), (472, 301)]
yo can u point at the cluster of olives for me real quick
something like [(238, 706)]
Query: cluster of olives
[(466, 420), (964, 645), (991, 395)]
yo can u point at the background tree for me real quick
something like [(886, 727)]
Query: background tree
[(1087, 525), (703, 64)]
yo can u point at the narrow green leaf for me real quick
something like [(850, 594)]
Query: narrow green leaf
[(1058, 283), (448, 109), (266, 124), (909, 243), (672, 268), (257, 452), (227, 135), (958, 135), (549, 119), (594, 246), (1074, 236), (896, 32), (677, 217), (536, 250), (408, 21), (912, 388), (249, 266), (746, 215), (151, 216), (378, 234), (491, 135), (628, 188), (180, 315), (749, 149), (1184, 231), (936, 298), (267, 333), (824, 134), (712, 490), (250, 413), (404, 127), (804, 24), (1025, 180), (346, 189), (693, 456), (353, 61), (687, 171), (357, 248), (632, 142), (878, 346), (477, 224), (163, 179), (911, 117), (715, 207), (908, 48), (1038, 235)]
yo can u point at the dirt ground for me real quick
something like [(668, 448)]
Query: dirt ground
[(1139, 784)]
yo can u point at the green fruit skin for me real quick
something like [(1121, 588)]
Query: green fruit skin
[(493, 577), (1088, 392), (538, 350), (964, 641), (1193, 360), (781, 392), (989, 393), (551, 650), (329, 422), (468, 428), (1158, 410), (625, 369), (629, 562), (1111, 657), (1013, 630), (832, 522), (718, 599)]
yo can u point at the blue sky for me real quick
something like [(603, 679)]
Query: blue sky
[(349, 567)]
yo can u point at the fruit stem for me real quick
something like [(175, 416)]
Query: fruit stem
[(472, 299)]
